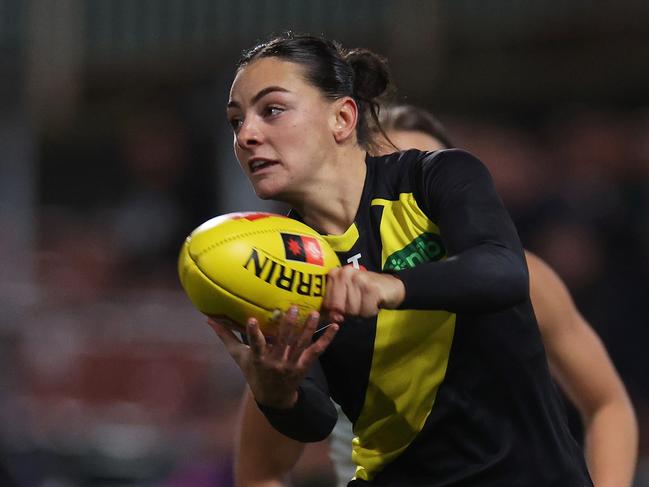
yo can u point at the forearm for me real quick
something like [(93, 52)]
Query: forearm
[(486, 278), (263, 457), (611, 442), (253, 479)]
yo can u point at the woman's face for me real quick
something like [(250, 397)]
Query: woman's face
[(282, 127)]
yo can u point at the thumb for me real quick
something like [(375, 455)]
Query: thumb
[(233, 345)]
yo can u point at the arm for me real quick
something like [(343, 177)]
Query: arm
[(485, 269), (579, 363), (284, 375), (263, 456)]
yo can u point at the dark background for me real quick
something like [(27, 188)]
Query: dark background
[(114, 145)]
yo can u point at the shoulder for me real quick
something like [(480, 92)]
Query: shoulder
[(423, 173), (442, 164), (455, 163), (394, 173), (406, 165), (413, 158)]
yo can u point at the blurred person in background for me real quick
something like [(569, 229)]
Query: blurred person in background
[(597, 242), (488, 412), (577, 358), (149, 219)]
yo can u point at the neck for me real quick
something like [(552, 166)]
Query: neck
[(331, 203)]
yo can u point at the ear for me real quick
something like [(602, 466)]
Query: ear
[(344, 119)]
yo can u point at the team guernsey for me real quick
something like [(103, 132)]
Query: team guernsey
[(452, 388)]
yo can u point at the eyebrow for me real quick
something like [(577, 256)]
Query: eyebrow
[(260, 95)]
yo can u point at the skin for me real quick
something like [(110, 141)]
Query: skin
[(578, 362), (582, 368), (298, 147)]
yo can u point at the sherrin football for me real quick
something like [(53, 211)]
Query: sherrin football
[(247, 264)]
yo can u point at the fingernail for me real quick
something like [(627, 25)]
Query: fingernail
[(293, 310)]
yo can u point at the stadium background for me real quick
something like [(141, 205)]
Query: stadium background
[(114, 145)]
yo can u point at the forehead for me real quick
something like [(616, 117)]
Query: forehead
[(264, 72)]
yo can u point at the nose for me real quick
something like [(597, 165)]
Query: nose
[(248, 134)]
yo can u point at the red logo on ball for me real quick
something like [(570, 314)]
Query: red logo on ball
[(302, 249), (251, 216)]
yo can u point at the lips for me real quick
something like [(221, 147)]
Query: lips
[(258, 164)]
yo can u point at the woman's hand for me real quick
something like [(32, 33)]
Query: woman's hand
[(355, 292), (275, 370)]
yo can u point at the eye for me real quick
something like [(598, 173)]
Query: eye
[(272, 110), (235, 123)]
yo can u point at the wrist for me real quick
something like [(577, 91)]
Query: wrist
[(397, 293), (275, 401)]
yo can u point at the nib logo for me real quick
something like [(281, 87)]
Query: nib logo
[(427, 247), (302, 249)]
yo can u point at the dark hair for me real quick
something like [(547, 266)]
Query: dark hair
[(337, 72), (412, 118)]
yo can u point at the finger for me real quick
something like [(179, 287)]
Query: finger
[(310, 326), (255, 338), (333, 316), (304, 340), (226, 322), (291, 333), (369, 308), (318, 347), (285, 333), (354, 297), (369, 302), (232, 343), (334, 300)]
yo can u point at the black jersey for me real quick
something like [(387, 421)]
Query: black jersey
[(452, 388)]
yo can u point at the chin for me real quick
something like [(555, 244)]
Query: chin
[(271, 188), (266, 192), (264, 196)]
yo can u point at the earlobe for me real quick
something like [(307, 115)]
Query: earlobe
[(346, 118)]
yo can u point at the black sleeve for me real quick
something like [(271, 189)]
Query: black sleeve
[(485, 269), (313, 416)]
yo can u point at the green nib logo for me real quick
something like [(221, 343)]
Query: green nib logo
[(427, 247)]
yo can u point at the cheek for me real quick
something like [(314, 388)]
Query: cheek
[(237, 153), (314, 134)]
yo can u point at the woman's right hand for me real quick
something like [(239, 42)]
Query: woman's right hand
[(274, 370), (356, 292)]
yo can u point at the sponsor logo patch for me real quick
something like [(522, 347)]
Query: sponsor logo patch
[(427, 247), (302, 249)]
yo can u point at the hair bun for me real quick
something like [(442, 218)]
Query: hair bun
[(371, 75)]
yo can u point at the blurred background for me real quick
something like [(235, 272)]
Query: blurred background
[(114, 146)]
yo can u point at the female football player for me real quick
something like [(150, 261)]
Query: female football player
[(577, 358), (434, 353)]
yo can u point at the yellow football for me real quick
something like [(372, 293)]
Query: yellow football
[(247, 264)]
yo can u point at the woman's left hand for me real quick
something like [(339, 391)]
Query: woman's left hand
[(274, 370), (356, 292)]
